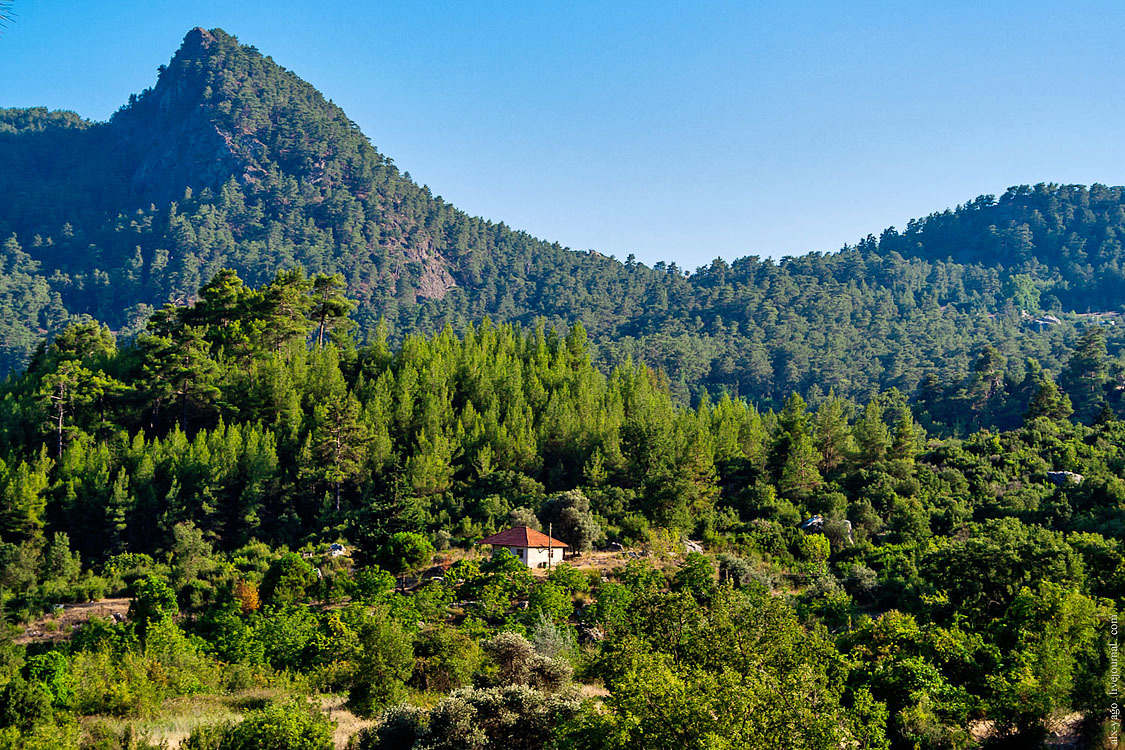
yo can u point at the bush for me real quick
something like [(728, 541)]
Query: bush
[(696, 576), (569, 578), (127, 683), (118, 686), (550, 601), (288, 580), (288, 637), (103, 737), (407, 551), (444, 659), (100, 634), (372, 583), (153, 601), (517, 663), (24, 704), (552, 640), (400, 726), (246, 596), (122, 570), (386, 663), (61, 735), (292, 726), (52, 672), (208, 737), (515, 716)]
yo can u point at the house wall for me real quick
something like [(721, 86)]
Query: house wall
[(537, 556), (534, 557)]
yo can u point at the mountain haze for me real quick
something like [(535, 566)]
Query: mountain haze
[(232, 161)]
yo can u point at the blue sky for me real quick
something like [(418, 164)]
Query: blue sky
[(674, 131)]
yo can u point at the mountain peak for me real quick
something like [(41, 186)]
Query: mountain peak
[(195, 41), (190, 130), (199, 42)]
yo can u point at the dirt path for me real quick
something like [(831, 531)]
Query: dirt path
[(60, 624)]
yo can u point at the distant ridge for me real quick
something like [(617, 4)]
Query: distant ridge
[(230, 160)]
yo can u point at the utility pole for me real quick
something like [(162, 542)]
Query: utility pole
[(550, 530)]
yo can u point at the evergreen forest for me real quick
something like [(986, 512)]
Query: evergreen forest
[(231, 161)]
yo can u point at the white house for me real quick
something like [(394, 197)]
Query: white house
[(533, 548)]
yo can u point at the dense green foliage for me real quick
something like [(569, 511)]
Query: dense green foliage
[(280, 727), (232, 161), (874, 588)]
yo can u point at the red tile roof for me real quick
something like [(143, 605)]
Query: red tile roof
[(521, 536)]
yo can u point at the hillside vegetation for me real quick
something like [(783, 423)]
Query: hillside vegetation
[(271, 393), (862, 583), (230, 161)]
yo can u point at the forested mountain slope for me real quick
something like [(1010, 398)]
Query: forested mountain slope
[(232, 161), (1064, 238)]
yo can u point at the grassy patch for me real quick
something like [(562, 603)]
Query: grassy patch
[(347, 723), (178, 717)]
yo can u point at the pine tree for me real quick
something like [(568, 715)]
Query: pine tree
[(872, 437), (178, 368), (330, 307), (799, 475), (118, 510), (283, 307), (906, 438), (1049, 402), (832, 433), (23, 501), (1085, 376), (337, 445)]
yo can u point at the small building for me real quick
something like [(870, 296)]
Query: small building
[(533, 548)]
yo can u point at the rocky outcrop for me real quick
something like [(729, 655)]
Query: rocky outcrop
[(1064, 478), (171, 133)]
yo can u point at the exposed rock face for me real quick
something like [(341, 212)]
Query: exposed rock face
[(436, 280), (1063, 478), (171, 132), (220, 111)]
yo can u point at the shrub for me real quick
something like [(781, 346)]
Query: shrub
[(386, 663), (60, 735), (246, 595), (514, 716), (372, 582), (24, 704), (549, 601), (153, 601), (695, 576), (569, 578), (104, 737), (407, 551), (400, 726), (444, 659), (551, 639), (288, 580), (292, 726), (101, 634), (517, 663), (288, 636), (52, 672), (126, 568)]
